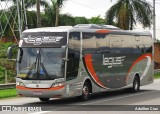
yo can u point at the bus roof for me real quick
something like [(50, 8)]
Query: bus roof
[(50, 29), (89, 28)]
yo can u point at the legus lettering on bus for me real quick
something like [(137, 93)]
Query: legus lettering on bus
[(113, 61), (42, 39)]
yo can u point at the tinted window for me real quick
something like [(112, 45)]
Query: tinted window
[(73, 55), (127, 41), (147, 42), (89, 40), (74, 40), (41, 63), (102, 40), (115, 41)]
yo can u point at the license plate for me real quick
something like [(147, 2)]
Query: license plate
[(37, 93)]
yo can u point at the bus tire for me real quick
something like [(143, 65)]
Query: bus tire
[(85, 92), (44, 99), (136, 84)]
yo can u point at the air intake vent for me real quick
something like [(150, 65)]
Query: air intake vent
[(95, 26), (110, 27)]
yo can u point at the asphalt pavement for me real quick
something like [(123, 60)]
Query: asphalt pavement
[(146, 101)]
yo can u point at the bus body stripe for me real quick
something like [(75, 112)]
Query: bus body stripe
[(103, 31), (89, 65), (40, 89), (138, 60)]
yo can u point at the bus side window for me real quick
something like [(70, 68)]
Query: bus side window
[(102, 40), (127, 44), (89, 40), (73, 55), (147, 43), (115, 41), (138, 45)]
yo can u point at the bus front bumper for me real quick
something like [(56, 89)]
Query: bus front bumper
[(53, 92)]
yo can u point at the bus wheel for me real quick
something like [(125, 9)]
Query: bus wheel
[(136, 85), (85, 92), (44, 99)]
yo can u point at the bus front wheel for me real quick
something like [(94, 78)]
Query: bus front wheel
[(44, 99), (85, 92)]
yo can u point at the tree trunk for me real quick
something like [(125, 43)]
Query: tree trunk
[(57, 15), (38, 14)]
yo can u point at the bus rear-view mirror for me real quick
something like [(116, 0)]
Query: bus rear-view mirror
[(20, 55), (10, 51)]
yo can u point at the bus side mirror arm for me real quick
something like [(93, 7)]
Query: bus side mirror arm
[(64, 48), (21, 55), (65, 59), (9, 51)]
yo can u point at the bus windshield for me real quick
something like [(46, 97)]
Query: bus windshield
[(41, 64)]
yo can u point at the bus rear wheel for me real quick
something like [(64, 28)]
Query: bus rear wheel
[(44, 99), (136, 85)]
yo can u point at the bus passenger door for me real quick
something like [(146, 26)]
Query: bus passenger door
[(72, 65), (72, 72)]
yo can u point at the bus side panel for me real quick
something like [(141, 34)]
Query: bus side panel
[(149, 76), (115, 65), (113, 70)]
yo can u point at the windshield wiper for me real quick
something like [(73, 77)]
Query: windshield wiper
[(31, 68), (40, 71), (44, 69)]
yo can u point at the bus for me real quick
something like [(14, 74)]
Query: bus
[(77, 61)]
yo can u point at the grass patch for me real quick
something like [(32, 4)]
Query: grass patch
[(157, 75), (6, 93)]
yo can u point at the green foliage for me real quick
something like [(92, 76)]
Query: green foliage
[(67, 19), (58, 6), (6, 65), (32, 3), (3, 49), (2, 22), (6, 93), (2, 76), (157, 75), (31, 19), (81, 20), (49, 17), (7, 28), (96, 20), (128, 12)]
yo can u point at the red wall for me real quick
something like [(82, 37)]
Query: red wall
[(157, 55)]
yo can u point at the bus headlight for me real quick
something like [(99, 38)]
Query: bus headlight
[(20, 84), (57, 84)]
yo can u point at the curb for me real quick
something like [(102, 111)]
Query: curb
[(7, 86)]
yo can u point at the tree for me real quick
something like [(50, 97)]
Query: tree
[(126, 13), (32, 3), (50, 14), (96, 20), (38, 3), (81, 20), (32, 19), (8, 22), (66, 20), (9, 17), (59, 4)]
